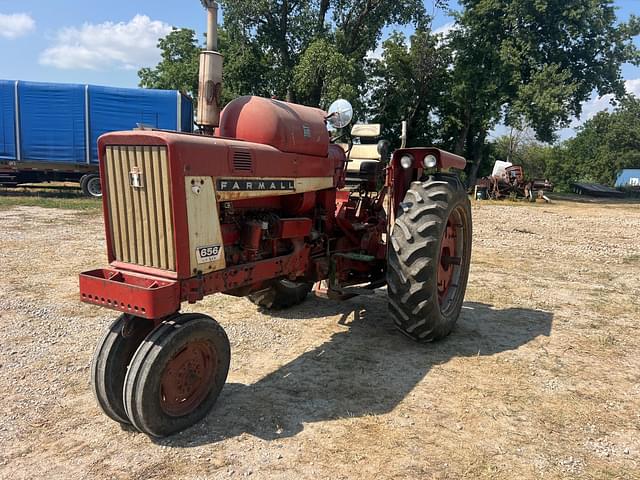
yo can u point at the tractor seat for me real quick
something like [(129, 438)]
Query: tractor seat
[(365, 164)]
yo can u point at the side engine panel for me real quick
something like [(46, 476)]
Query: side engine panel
[(166, 194), (193, 210)]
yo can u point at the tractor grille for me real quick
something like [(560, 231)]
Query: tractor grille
[(140, 217)]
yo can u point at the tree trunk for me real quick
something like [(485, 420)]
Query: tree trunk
[(458, 149), (477, 158), (324, 8), (284, 49), (410, 119), (353, 29), (315, 95)]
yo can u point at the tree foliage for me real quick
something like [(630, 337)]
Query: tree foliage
[(521, 148), (604, 145), (409, 83), (316, 48), (527, 64), (323, 74), (244, 66), (531, 63), (178, 69)]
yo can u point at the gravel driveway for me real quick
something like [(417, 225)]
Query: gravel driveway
[(541, 378)]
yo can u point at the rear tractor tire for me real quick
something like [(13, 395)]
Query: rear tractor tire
[(177, 374), (429, 258), (281, 294)]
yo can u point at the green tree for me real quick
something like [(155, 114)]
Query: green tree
[(246, 68), (178, 69), (281, 30), (359, 23), (244, 65), (309, 51), (603, 146), (408, 84), (323, 74), (356, 29), (530, 63), (313, 45)]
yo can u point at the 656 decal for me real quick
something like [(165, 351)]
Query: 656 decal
[(208, 254)]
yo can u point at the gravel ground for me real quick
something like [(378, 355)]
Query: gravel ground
[(541, 378)]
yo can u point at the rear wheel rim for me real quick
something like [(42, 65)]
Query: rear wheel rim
[(450, 260), (188, 378)]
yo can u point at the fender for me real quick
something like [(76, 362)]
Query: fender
[(399, 179)]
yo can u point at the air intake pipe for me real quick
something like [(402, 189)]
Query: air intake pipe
[(210, 83)]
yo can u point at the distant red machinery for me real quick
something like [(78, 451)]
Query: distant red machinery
[(265, 208), (512, 182)]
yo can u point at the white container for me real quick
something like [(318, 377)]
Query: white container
[(499, 167)]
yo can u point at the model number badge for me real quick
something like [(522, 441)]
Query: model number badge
[(208, 254)]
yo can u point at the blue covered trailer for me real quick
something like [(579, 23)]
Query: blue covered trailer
[(49, 132)]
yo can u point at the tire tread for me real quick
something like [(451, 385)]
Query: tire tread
[(412, 264)]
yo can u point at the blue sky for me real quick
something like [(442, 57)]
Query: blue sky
[(106, 42)]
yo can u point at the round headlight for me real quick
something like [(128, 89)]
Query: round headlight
[(430, 161), (406, 161)]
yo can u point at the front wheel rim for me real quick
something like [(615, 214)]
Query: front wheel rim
[(188, 378)]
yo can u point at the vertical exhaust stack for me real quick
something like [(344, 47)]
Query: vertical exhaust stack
[(210, 83)]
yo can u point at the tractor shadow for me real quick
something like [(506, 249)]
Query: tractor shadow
[(367, 369)]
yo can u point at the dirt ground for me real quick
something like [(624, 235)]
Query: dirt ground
[(540, 379)]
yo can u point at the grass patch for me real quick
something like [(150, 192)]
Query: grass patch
[(48, 199), (607, 340), (631, 259)]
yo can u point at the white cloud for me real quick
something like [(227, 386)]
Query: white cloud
[(107, 45), (444, 29), (598, 104), (375, 54), (16, 25), (633, 86), (592, 107)]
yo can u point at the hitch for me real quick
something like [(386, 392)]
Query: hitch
[(340, 262)]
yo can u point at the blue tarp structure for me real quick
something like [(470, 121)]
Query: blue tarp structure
[(186, 113), (52, 122), (124, 108), (628, 178), (7, 120), (61, 123)]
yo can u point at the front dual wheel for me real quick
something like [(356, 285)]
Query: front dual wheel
[(171, 380)]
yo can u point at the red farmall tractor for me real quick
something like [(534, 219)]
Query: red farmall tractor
[(265, 208)]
